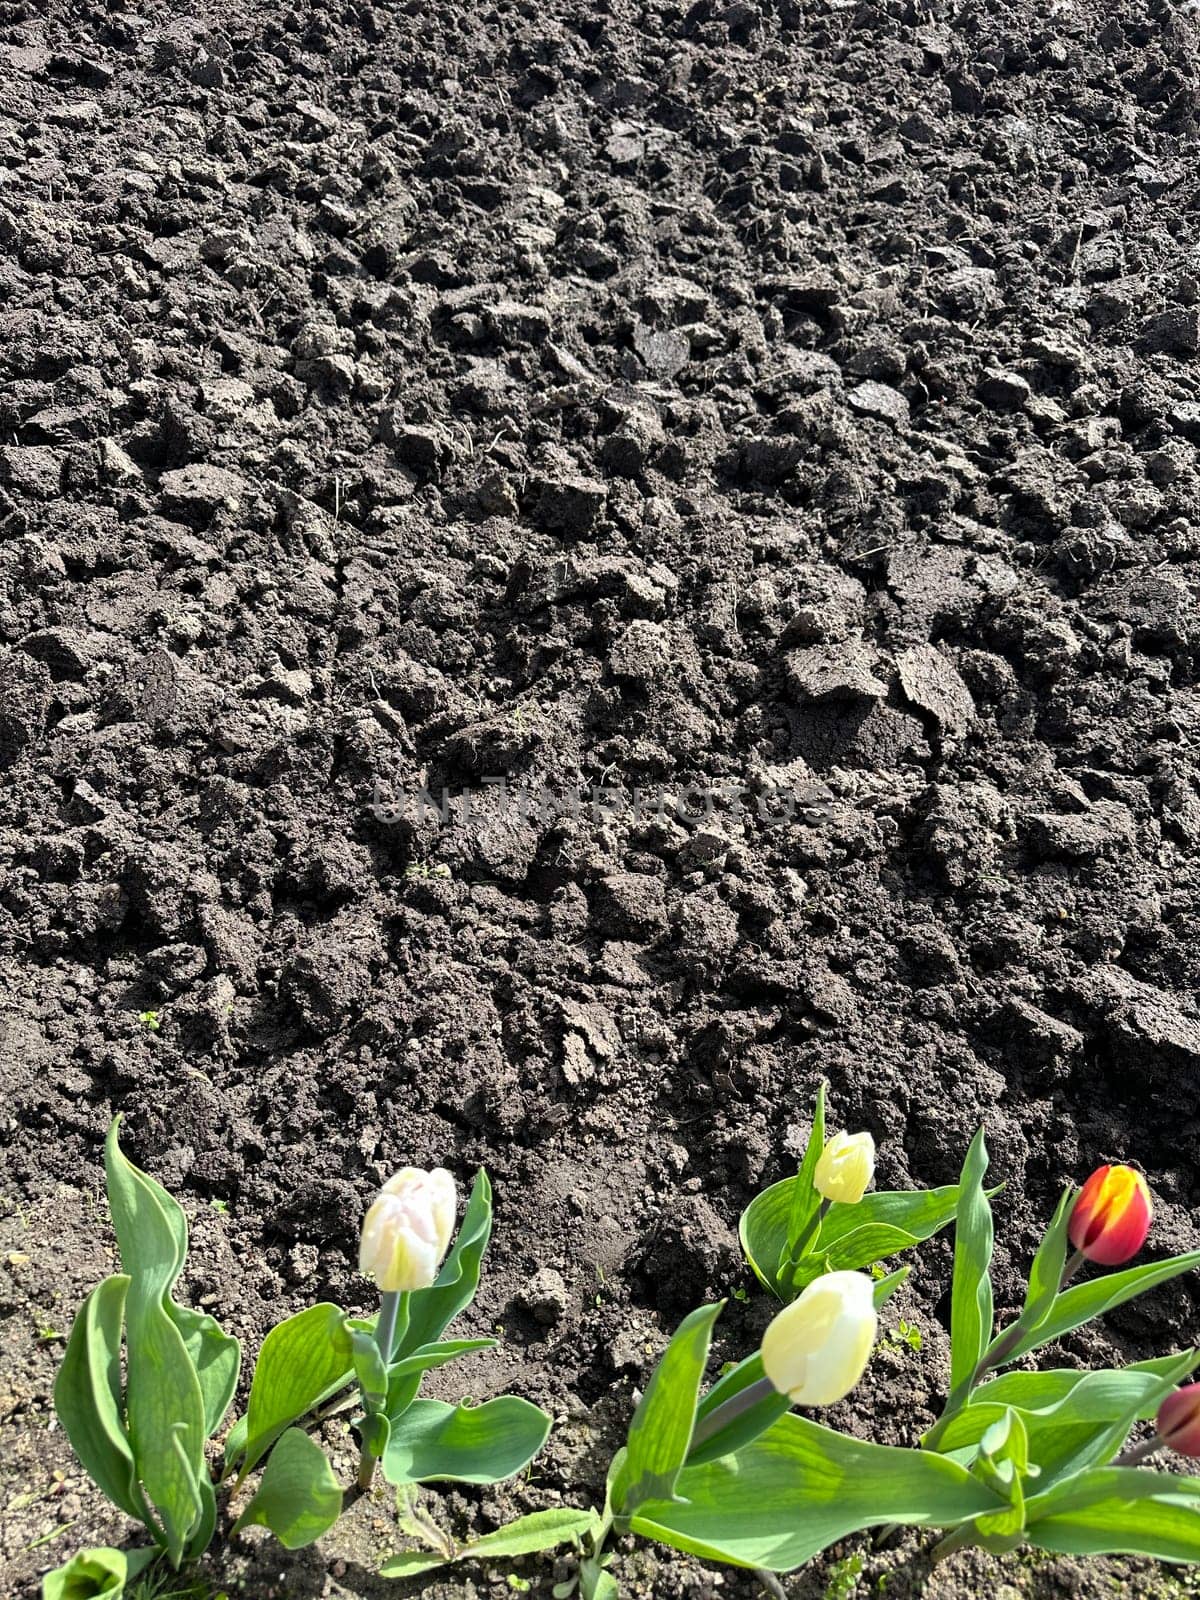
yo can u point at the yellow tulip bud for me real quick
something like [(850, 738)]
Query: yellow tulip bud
[(817, 1348), (408, 1229), (845, 1168)]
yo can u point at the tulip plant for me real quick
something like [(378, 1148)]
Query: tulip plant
[(140, 1426), (728, 1471), (822, 1219)]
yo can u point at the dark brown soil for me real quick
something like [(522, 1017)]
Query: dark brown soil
[(801, 396)]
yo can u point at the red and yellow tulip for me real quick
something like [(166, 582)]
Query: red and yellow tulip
[(1112, 1216)]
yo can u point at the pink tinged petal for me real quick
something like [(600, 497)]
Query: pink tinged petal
[(1178, 1421)]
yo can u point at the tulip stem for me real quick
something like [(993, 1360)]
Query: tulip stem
[(385, 1338), (770, 1583), (1071, 1268), (730, 1411), (958, 1540), (1138, 1453), (385, 1326)]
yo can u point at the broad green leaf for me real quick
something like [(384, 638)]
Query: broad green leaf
[(411, 1563), (403, 1389), (1084, 1301), (920, 1212), (916, 1214), (1045, 1274), (971, 1296), (763, 1229), (800, 1488), (164, 1403), (1006, 1442), (433, 1442), (1003, 1465), (168, 1249), (216, 1356), (298, 1497), (431, 1311), (98, 1574), (540, 1530), (661, 1430), (88, 1400), (805, 1205), (301, 1363), (745, 1426), (1120, 1511)]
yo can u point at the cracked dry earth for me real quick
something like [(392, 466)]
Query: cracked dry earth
[(798, 395)]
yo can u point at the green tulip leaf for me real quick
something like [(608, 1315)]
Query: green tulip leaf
[(804, 1206), (369, 1366), (1084, 1301), (800, 1488), (919, 1212), (540, 1530), (1045, 1275), (411, 1563), (164, 1401), (302, 1362), (97, 1574), (886, 1287), (1119, 1511), (206, 1524), (1081, 1428), (1038, 1391), (404, 1376), (971, 1293), (431, 1311), (434, 1442), (913, 1215), (216, 1356), (437, 1355), (298, 1497), (88, 1398), (661, 1431)]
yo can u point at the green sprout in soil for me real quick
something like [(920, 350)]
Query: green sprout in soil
[(843, 1578), (150, 1020), (906, 1334)]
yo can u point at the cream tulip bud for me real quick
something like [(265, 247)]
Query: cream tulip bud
[(818, 1347), (845, 1168), (408, 1229)]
